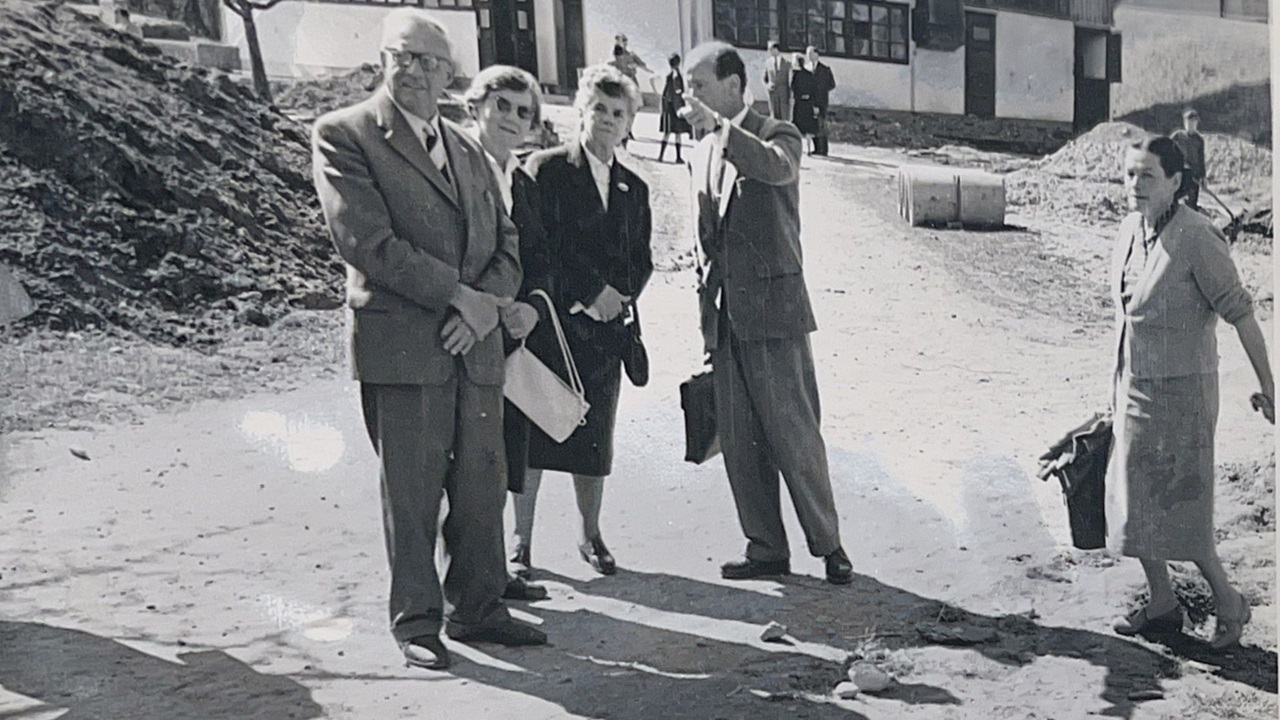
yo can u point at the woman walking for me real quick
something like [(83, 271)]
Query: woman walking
[(670, 122), (1172, 278)]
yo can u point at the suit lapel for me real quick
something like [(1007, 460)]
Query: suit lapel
[(752, 123), (405, 141)]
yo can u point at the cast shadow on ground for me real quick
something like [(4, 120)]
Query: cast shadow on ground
[(1243, 110), (583, 673), (96, 677)]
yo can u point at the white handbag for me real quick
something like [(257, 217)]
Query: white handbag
[(557, 407)]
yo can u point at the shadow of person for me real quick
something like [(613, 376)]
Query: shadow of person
[(706, 625), (95, 677)]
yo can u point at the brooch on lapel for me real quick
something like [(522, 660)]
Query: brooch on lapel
[(623, 186)]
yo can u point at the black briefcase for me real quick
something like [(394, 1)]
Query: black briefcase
[(698, 401)]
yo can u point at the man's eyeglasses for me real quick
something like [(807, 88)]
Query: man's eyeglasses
[(428, 63), (524, 112)]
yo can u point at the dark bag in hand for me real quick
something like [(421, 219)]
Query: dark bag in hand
[(635, 359), (1079, 462), (698, 400)]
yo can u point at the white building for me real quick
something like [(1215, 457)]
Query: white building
[(1027, 59)]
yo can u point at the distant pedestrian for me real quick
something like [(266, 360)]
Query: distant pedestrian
[(777, 79), (805, 114), (823, 83), (670, 122), (1191, 142)]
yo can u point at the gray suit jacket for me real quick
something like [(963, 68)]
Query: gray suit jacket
[(409, 237), (778, 81), (751, 235)]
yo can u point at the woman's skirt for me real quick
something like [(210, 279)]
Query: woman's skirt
[(1160, 474), (804, 118), (589, 450), (671, 122)]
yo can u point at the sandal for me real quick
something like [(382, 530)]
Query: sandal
[(1228, 631), (1139, 622)]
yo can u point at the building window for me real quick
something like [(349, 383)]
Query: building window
[(747, 23), (859, 29)]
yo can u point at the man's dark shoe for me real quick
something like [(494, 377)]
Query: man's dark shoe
[(520, 589), (508, 632), (839, 569), (748, 569), (425, 651), (594, 552)]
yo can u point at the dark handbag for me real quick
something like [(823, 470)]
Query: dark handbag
[(635, 359), (1079, 462), (698, 401)]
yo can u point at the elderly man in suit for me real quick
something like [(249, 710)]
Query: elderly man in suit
[(777, 78), (432, 256), (823, 83), (756, 319)]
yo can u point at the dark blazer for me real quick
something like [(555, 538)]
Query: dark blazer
[(588, 248), (752, 236), (823, 83), (409, 237)]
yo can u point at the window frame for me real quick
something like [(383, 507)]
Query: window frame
[(797, 21), (454, 5)]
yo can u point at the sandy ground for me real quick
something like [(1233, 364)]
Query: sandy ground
[(225, 561)]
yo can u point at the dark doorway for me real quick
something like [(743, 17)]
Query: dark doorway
[(571, 48), (1093, 90), (980, 65), (507, 33)]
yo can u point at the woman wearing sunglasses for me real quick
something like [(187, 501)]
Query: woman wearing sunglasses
[(506, 104)]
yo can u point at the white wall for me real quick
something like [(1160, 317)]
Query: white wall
[(1035, 64), (939, 81), (305, 38), (873, 85)]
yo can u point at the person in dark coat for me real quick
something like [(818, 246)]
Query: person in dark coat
[(597, 220), (506, 104), (823, 83), (803, 87), (670, 122)]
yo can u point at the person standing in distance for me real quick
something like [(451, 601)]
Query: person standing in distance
[(416, 214), (756, 319)]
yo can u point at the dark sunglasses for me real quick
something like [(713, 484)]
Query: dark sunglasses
[(524, 112)]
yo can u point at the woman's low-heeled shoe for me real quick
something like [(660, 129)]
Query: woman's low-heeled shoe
[(1139, 622), (1229, 630), (519, 563), (594, 552)]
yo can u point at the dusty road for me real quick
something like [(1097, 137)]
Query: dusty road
[(226, 561)]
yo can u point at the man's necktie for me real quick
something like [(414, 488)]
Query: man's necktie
[(438, 155)]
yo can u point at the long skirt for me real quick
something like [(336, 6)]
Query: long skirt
[(1160, 474)]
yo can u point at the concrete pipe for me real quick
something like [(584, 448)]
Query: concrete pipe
[(929, 195)]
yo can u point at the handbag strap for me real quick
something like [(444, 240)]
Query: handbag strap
[(575, 381)]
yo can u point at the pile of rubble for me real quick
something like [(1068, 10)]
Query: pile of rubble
[(139, 193), (1084, 179)]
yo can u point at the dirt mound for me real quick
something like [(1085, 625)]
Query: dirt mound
[(140, 193), (1235, 165), (317, 96)]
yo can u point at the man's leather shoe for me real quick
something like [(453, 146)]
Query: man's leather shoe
[(508, 632), (594, 552), (425, 651), (520, 589), (839, 569), (748, 569)]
